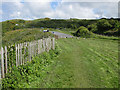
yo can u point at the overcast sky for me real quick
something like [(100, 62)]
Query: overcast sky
[(59, 9)]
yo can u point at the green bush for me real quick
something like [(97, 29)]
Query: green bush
[(83, 32)]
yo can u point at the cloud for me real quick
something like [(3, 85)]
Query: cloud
[(1, 12), (60, 0), (74, 10), (64, 10)]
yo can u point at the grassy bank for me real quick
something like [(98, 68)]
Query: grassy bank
[(23, 35)]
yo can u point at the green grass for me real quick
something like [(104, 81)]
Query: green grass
[(104, 37), (85, 63), (23, 35), (82, 63)]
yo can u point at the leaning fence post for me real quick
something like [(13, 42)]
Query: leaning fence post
[(5, 59), (2, 62)]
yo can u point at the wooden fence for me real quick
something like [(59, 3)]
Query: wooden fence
[(19, 54)]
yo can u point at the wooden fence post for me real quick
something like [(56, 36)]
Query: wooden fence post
[(20, 54), (44, 45), (5, 59), (16, 55), (41, 44), (25, 45), (2, 62), (18, 61), (53, 43), (30, 51), (34, 48), (38, 46), (47, 44), (23, 49)]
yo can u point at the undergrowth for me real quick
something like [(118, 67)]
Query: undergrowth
[(23, 75)]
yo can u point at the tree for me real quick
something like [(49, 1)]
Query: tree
[(103, 25)]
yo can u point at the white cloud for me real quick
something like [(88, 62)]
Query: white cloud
[(62, 0), (34, 10), (1, 12)]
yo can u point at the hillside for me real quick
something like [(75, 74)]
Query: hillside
[(99, 26)]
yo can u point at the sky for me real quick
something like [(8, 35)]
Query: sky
[(58, 9)]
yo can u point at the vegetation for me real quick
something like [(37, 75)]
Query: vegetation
[(92, 64), (83, 32), (23, 35), (24, 75), (101, 26)]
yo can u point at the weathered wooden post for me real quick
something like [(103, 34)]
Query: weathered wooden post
[(20, 54), (16, 55), (53, 43), (5, 59), (43, 45), (30, 51), (18, 59), (2, 62)]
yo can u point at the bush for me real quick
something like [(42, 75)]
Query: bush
[(83, 32)]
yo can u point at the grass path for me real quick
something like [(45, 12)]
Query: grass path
[(84, 63)]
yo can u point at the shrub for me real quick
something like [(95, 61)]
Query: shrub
[(83, 32)]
